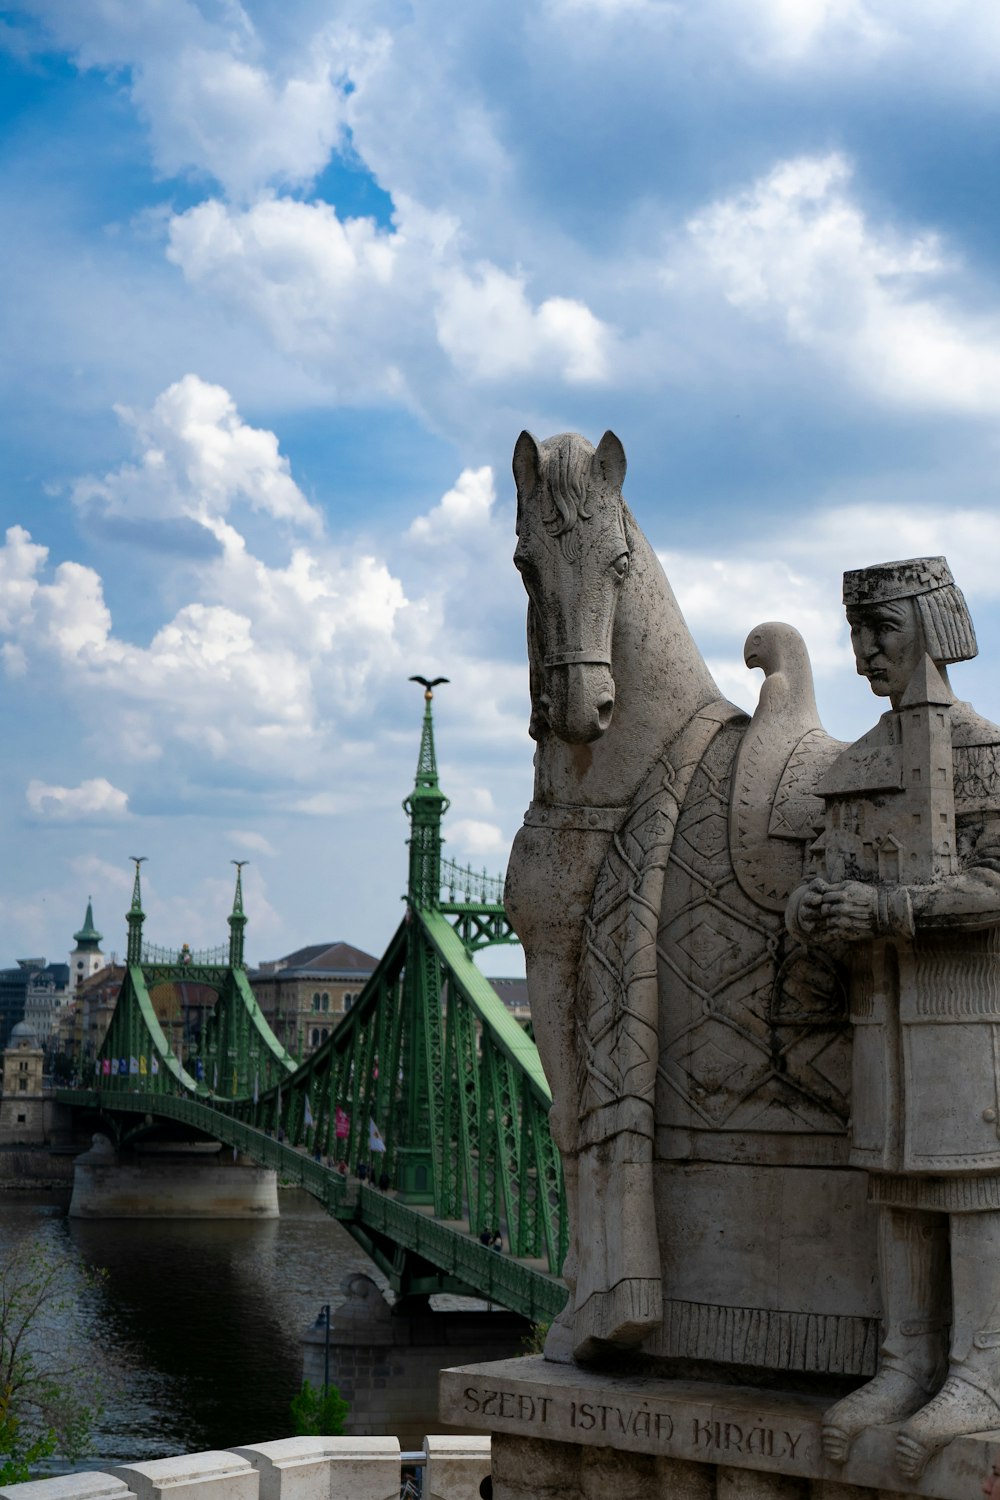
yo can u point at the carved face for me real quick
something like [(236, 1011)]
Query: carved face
[(888, 642)]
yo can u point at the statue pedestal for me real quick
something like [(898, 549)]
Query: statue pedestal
[(564, 1433)]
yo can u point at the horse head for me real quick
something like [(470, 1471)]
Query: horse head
[(573, 554)]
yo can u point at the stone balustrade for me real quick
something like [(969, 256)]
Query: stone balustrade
[(300, 1468)]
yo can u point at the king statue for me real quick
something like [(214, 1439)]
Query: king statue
[(907, 892)]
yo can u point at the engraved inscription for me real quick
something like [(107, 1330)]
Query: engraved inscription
[(511, 1405), (641, 1422), (637, 1422), (732, 1437)]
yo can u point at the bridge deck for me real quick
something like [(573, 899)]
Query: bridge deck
[(372, 1217)]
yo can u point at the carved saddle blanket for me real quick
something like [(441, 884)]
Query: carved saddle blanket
[(693, 1017)]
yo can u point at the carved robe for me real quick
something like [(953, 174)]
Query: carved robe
[(925, 1005)]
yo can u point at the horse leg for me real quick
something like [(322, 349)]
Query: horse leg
[(550, 881)]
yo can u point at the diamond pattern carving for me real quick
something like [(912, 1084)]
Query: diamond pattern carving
[(705, 945), (708, 834), (748, 1041)]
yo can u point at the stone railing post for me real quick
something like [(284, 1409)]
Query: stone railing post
[(216, 1475), (326, 1468), (456, 1467), (70, 1487)]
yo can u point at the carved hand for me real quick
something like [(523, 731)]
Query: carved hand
[(849, 911), (804, 910), (828, 914)]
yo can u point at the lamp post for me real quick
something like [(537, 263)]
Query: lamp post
[(323, 1321)]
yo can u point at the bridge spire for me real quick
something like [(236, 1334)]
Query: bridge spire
[(136, 916), (426, 806), (237, 920)]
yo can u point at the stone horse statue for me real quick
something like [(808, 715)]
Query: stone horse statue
[(672, 1014)]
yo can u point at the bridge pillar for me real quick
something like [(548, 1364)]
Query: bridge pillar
[(385, 1362), (179, 1180)]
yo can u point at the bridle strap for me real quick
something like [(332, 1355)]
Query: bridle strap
[(576, 659), (560, 816)]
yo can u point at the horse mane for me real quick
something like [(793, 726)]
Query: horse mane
[(567, 460)]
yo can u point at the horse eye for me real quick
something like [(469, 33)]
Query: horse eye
[(621, 565)]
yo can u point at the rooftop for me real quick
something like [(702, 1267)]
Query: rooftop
[(88, 938), (323, 959)]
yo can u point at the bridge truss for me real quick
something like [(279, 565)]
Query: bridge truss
[(428, 1078)]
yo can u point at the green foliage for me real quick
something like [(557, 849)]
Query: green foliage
[(319, 1413), (534, 1340), (49, 1399), (18, 1453)]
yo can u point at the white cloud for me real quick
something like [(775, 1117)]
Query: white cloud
[(375, 308), (96, 873), (724, 596), (491, 332), (197, 459), (475, 839), (794, 574), (94, 801), (256, 843), (796, 250), (466, 507), (785, 32), (265, 660), (214, 98), (20, 560)]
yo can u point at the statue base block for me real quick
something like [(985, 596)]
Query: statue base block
[(560, 1432)]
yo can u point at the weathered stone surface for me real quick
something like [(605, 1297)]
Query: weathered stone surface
[(626, 1476), (767, 1288), (716, 992), (215, 1475), (907, 894), (743, 1484), (326, 1468), (70, 1487), (675, 1019), (558, 1410), (526, 1469), (186, 1184), (456, 1467), (676, 1479)]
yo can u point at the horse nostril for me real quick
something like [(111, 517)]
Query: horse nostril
[(605, 709)]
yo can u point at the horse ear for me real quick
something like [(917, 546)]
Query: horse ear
[(609, 460), (527, 464)]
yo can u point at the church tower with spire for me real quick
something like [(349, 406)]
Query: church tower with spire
[(86, 958)]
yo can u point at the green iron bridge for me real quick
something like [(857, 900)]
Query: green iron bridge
[(427, 1062)]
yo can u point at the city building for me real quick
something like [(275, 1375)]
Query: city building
[(86, 958), (514, 994), (45, 997), (47, 984), (22, 1104), (86, 1019), (306, 993)]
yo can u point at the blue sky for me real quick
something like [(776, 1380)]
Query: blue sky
[(282, 283)]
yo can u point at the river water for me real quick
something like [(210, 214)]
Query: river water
[(197, 1322)]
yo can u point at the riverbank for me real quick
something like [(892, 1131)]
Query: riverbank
[(31, 1169)]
